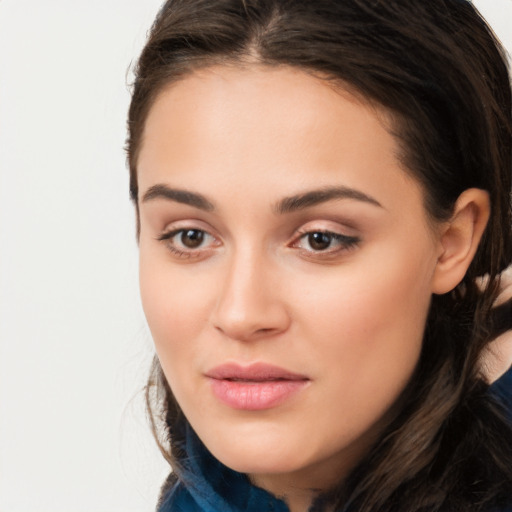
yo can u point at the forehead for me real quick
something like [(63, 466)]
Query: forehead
[(262, 125)]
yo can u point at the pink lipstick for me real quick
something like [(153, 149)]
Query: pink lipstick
[(255, 387)]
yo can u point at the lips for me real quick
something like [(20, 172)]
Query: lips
[(255, 387)]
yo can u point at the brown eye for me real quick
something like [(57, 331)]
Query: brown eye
[(189, 243), (192, 238), (327, 242), (319, 241)]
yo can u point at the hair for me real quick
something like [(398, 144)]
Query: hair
[(440, 73)]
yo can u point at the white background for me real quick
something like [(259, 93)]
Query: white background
[(74, 348)]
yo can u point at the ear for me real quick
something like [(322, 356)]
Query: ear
[(459, 239)]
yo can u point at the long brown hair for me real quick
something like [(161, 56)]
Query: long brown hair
[(438, 70)]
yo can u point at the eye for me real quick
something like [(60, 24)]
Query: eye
[(188, 242), (191, 238), (325, 242)]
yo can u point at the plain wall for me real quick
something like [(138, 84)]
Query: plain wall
[(74, 347)]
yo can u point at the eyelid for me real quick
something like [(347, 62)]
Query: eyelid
[(327, 226), (334, 234), (171, 228)]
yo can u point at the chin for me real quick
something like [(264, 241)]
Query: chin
[(263, 457), (261, 463)]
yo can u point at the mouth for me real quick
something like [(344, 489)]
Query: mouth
[(255, 387)]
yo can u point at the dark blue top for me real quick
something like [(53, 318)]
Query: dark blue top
[(209, 486), (502, 389)]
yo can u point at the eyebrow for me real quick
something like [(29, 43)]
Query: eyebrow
[(314, 197), (161, 191), (286, 205)]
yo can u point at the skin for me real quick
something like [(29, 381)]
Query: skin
[(349, 317)]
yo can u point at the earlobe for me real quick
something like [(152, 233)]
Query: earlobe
[(459, 239)]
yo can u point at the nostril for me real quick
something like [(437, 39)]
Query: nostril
[(265, 330), (244, 333)]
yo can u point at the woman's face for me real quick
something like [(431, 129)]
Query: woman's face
[(286, 267)]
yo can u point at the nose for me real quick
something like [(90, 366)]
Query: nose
[(250, 303)]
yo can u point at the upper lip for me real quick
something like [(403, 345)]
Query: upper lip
[(253, 372)]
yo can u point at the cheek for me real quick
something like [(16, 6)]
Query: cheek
[(368, 321), (360, 300), (172, 305), (369, 336)]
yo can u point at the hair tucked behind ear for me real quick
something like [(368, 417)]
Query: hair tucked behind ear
[(438, 70)]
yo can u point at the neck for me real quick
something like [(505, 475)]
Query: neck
[(299, 488)]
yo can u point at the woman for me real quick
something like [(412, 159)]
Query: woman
[(319, 186)]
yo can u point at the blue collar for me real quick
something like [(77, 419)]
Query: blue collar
[(207, 485), (502, 390)]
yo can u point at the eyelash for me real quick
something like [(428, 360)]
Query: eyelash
[(183, 253), (345, 243)]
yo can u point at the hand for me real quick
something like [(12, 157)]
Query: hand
[(497, 357)]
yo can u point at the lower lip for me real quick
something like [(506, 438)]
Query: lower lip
[(255, 395)]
